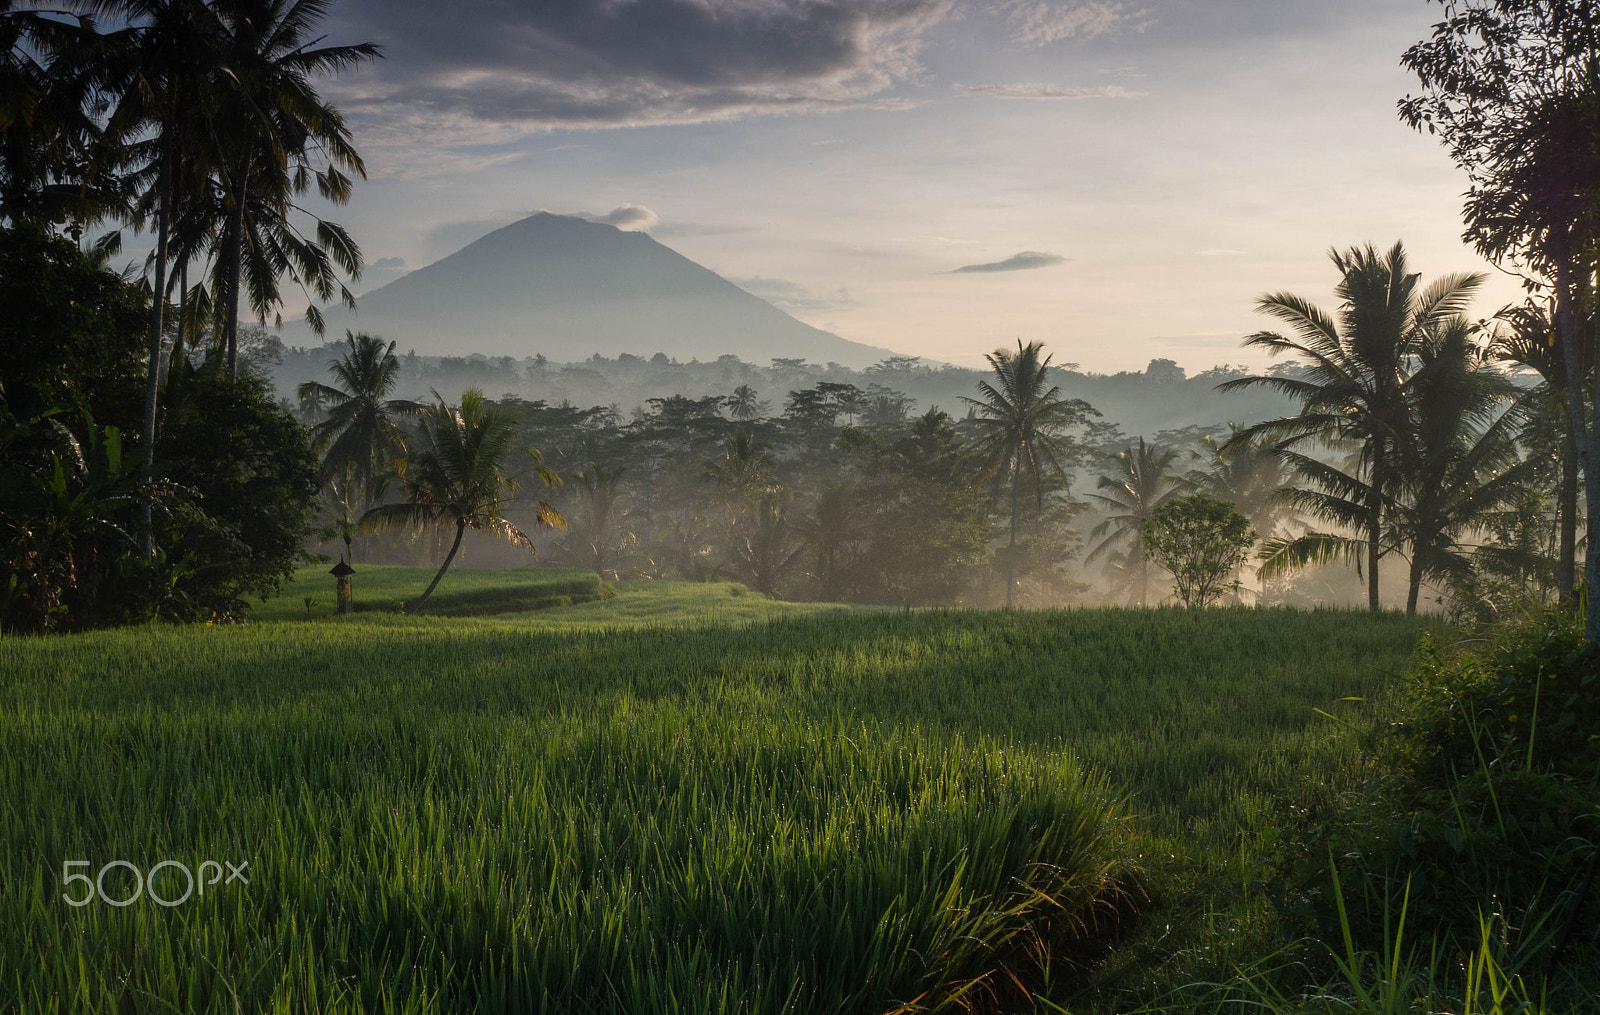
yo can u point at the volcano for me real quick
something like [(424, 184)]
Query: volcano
[(569, 288)]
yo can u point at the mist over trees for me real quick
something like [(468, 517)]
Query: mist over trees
[(820, 483)]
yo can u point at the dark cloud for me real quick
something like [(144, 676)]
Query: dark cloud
[(573, 63), (1016, 262)]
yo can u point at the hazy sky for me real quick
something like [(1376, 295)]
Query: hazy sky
[(1118, 179)]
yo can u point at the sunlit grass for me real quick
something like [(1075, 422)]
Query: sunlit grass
[(652, 802), (554, 596)]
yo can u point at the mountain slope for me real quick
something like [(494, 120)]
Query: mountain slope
[(570, 288)]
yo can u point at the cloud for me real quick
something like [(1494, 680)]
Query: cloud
[(604, 63), (1219, 253), (793, 297), (1043, 91), (627, 217), (380, 273), (1041, 22), (448, 237), (1024, 261)]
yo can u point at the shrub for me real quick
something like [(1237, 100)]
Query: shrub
[(1202, 540), (1489, 797)]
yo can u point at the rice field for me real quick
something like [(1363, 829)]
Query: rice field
[(676, 798)]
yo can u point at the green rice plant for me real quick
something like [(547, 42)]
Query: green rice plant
[(648, 859), (641, 804)]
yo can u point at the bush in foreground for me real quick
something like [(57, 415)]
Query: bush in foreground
[(1483, 812)]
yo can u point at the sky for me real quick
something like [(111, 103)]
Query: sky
[(1119, 180)]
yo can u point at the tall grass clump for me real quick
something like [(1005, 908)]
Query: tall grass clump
[(1482, 811), (1399, 977)]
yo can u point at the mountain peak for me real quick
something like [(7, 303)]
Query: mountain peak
[(568, 287)]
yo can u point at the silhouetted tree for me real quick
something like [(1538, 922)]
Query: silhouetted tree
[(1022, 422), (1352, 391), (454, 473)]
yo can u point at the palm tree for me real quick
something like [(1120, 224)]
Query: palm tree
[(1143, 480), (361, 430), (1534, 341), (454, 473), (1458, 460), (593, 531), (162, 68), (765, 544), (1327, 492), (744, 406), (741, 474), (1247, 475), (831, 529), (55, 163), (1022, 422), (1352, 388), (276, 126)]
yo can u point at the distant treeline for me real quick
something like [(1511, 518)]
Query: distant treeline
[(812, 482), (1159, 398)]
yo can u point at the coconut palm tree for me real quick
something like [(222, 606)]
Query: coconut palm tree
[(1143, 480), (162, 69), (743, 405), (56, 165), (766, 543), (454, 473), (594, 538), (361, 431), (279, 136), (1247, 475), (1352, 389), (833, 526), (1533, 341), (1021, 420), (1458, 460), (741, 474)]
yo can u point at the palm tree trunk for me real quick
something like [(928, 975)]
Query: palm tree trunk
[(461, 529), (183, 313), (1416, 583), (1374, 533), (231, 308), (1011, 551), (1566, 568), (1566, 327), (235, 257), (158, 304)]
